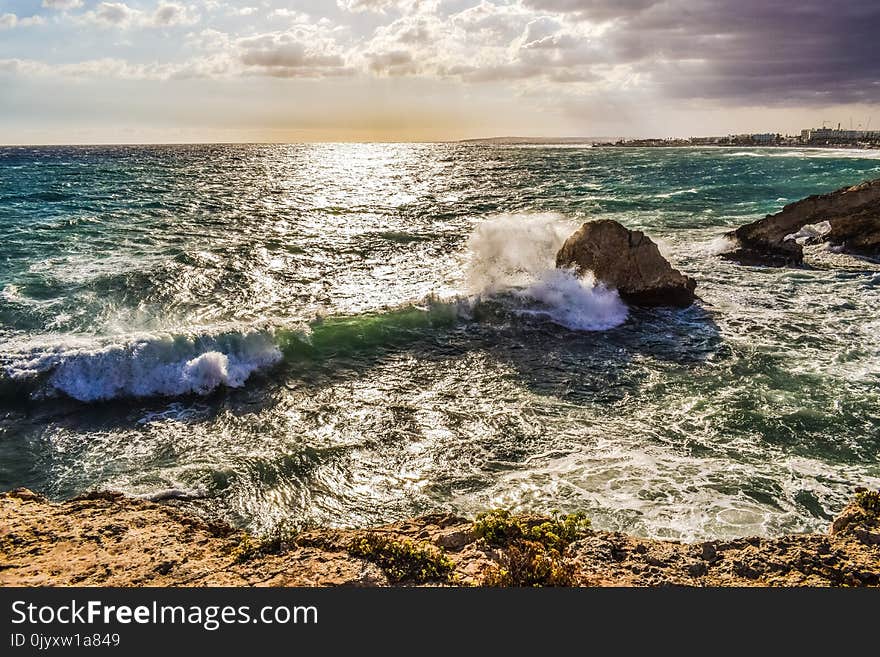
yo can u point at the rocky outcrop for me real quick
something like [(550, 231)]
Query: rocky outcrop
[(628, 261), (848, 219), (109, 540)]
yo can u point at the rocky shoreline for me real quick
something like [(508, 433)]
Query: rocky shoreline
[(847, 220), (107, 539)]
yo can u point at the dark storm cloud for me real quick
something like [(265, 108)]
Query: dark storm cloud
[(753, 51)]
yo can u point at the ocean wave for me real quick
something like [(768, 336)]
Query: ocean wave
[(197, 362), (97, 369), (144, 365), (511, 272), (828, 153), (678, 192)]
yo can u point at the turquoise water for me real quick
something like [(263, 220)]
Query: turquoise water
[(350, 334)]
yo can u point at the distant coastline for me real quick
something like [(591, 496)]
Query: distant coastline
[(808, 138), (537, 141), (684, 143)]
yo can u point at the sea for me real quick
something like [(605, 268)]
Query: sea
[(351, 334)]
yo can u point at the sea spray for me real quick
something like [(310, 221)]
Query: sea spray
[(573, 302), (514, 255)]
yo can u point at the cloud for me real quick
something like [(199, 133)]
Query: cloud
[(486, 42), (92, 68), (492, 23), (111, 14), (302, 51), (395, 62), (168, 14), (9, 21), (242, 11), (62, 5), (292, 14), (596, 10), (378, 6), (749, 52), (119, 14)]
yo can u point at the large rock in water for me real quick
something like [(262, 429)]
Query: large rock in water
[(853, 224), (629, 261)]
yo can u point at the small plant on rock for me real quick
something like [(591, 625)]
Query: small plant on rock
[(530, 549), (402, 559), (246, 549), (500, 527), (869, 501)]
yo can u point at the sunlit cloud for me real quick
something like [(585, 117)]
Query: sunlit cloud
[(119, 14)]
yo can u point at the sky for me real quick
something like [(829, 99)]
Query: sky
[(135, 71)]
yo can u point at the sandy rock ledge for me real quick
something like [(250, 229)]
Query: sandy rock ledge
[(107, 539)]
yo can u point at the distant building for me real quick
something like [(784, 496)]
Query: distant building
[(830, 135), (754, 139), (764, 138)]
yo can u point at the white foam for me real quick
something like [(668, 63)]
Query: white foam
[(830, 153), (574, 302), (515, 255), (809, 233), (143, 365), (509, 251), (716, 246), (678, 192)]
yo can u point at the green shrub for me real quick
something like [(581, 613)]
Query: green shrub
[(530, 549), (528, 563), (277, 541), (500, 528), (401, 559), (246, 549), (869, 501)]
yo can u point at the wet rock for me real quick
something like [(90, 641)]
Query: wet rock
[(847, 219), (697, 569), (628, 261)]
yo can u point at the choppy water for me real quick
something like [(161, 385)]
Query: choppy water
[(349, 334)]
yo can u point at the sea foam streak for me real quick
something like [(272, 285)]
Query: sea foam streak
[(515, 255)]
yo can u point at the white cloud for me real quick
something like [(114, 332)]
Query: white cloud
[(302, 51), (242, 11), (168, 14), (395, 62), (62, 5), (486, 41), (210, 66), (100, 68), (292, 14), (8, 21), (378, 6), (112, 13), (209, 40), (119, 14)]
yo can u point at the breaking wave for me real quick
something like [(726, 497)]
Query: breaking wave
[(144, 365), (511, 269)]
